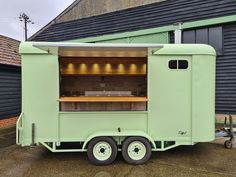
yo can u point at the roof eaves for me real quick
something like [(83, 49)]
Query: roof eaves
[(53, 21)]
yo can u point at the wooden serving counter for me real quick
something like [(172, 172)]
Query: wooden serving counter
[(97, 99), (103, 103)]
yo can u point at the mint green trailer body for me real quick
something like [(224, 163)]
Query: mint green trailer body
[(180, 107)]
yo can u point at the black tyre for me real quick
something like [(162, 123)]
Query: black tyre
[(102, 150), (228, 144), (136, 150)]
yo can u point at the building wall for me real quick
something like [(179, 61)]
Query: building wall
[(157, 15), (10, 91), (87, 8), (10, 80), (226, 72)]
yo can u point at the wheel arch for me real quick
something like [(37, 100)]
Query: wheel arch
[(125, 133)]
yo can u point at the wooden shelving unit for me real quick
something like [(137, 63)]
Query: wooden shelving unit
[(104, 72), (103, 66)]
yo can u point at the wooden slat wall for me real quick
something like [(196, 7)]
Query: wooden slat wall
[(10, 91), (104, 106)]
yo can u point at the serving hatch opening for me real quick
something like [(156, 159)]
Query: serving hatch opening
[(102, 77)]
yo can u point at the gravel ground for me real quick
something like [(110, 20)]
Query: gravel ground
[(201, 160)]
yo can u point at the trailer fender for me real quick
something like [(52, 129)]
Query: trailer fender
[(124, 133)]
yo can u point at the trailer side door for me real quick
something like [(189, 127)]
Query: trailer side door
[(169, 94)]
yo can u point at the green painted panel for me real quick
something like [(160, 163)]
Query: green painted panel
[(169, 93), (156, 38), (118, 40), (78, 126), (40, 89), (186, 49), (203, 98)]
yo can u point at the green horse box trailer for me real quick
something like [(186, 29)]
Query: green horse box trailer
[(105, 98)]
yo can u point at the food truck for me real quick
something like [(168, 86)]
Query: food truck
[(102, 98)]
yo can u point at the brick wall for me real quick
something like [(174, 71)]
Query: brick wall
[(8, 122), (220, 118)]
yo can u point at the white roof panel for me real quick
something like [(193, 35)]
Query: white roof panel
[(97, 49)]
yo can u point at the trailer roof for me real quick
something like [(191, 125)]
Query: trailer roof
[(97, 45), (113, 50), (97, 49)]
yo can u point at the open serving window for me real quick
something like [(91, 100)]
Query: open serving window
[(98, 77)]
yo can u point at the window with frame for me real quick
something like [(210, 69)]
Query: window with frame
[(173, 64), (178, 64)]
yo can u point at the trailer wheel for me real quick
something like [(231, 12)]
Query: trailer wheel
[(228, 144), (102, 150), (136, 150)]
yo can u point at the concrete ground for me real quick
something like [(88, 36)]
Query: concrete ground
[(201, 160)]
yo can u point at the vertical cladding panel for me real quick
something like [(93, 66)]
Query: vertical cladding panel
[(203, 98), (171, 38), (226, 72), (10, 91), (40, 93)]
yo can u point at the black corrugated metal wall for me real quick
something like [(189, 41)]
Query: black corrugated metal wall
[(225, 71), (138, 18), (10, 91)]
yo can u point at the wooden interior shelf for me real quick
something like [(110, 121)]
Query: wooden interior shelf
[(103, 74), (103, 99), (103, 66)]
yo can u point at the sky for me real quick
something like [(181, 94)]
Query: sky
[(40, 12)]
